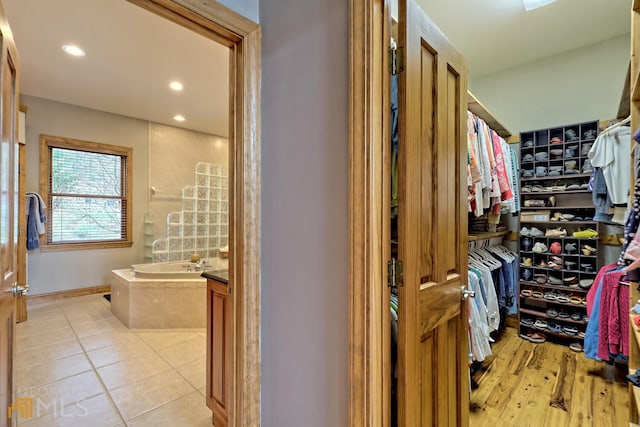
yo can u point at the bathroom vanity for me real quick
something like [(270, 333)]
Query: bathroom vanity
[(219, 347)]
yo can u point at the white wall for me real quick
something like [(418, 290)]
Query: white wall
[(305, 289), (580, 85), (58, 271)]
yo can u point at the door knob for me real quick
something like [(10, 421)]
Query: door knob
[(466, 293), (15, 289)]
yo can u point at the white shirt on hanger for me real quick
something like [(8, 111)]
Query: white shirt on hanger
[(611, 151)]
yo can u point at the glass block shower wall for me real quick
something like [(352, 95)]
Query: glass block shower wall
[(202, 225)]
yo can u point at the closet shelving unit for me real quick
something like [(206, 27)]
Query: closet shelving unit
[(634, 107), (553, 294)]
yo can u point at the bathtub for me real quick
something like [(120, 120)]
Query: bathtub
[(174, 269), (161, 295)]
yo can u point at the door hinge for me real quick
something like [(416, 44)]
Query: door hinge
[(396, 60), (395, 276)]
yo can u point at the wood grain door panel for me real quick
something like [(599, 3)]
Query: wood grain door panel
[(432, 224)]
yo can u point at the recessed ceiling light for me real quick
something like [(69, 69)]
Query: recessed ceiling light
[(534, 4), (175, 85), (73, 50), (179, 118)]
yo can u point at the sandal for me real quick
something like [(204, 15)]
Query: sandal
[(550, 296), (541, 324), (563, 298), (575, 300), (576, 346), (537, 294), (525, 292), (553, 313)]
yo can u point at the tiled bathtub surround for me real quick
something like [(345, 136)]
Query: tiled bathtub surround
[(202, 225), (152, 303)]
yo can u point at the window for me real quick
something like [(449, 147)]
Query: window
[(87, 188)]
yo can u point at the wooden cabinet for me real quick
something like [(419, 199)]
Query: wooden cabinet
[(219, 371), (557, 266)]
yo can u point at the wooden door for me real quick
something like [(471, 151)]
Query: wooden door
[(219, 356), (8, 215), (433, 381)]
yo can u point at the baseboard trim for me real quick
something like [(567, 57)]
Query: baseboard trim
[(72, 293)]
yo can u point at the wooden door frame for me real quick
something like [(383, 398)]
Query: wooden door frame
[(242, 36), (369, 211)]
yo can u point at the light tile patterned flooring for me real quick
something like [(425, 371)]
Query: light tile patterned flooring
[(83, 367)]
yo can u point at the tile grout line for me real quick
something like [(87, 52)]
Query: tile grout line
[(95, 371)]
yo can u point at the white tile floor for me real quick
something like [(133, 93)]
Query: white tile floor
[(83, 367)]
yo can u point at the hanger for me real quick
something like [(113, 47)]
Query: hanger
[(617, 125)]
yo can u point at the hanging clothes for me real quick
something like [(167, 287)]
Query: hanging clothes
[(610, 152), (492, 172)]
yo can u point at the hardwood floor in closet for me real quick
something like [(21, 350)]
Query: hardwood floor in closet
[(547, 385)]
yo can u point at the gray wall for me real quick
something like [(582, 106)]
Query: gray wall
[(247, 8), (305, 290), (57, 271)]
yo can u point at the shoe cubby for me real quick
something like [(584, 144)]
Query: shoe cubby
[(559, 248), (557, 152)]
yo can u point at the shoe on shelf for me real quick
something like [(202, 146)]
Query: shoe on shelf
[(536, 232), (557, 152), (586, 167), (555, 248), (570, 248), (542, 264), (526, 244), (526, 275), (555, 280), (566, 217), (534, 203), (558, 186), (554, 265), (576, 346), (570, 265), (588, 233), (570, 164), (589, 248), (555, 232), (586, 283), (551, 201), (527, 262), (539, 248), (556, 140), (525, 231), (526, 189), (527, 158), (573, 185), (556, 259), (590, 134)]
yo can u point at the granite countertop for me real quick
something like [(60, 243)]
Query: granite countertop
[(221, 276)]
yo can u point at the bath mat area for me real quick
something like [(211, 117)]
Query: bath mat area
[(107, 297)]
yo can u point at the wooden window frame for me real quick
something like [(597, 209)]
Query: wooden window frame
[(47, 142)]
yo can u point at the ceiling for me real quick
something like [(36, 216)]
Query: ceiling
[(494, 35), (132, 55)]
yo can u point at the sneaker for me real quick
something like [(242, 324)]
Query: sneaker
[(590, 134), (535, 232), (555, 232), (527, 158), (570, 248), (587, 168), (525, 231), (589, 233), (539, 248)]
